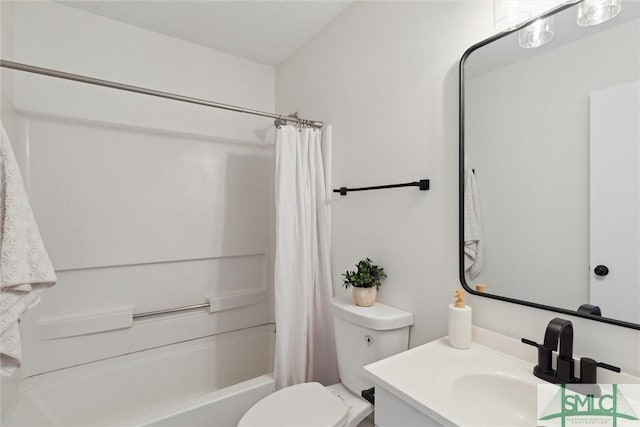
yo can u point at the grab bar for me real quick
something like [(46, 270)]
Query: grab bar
[(123, 317), (216, 303)]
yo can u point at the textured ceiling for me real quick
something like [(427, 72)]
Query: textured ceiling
[(263, 31)]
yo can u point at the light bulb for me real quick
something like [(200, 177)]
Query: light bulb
[(536, 34), (594, 12)]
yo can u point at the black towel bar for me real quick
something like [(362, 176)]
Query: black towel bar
[(422, 184)]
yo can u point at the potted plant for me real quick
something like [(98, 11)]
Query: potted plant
[(365, 281)]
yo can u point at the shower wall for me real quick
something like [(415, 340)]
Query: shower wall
[(144, 204)]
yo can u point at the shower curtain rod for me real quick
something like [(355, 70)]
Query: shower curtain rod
[(121, 86)]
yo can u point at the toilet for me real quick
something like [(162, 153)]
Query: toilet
[(363, 335)]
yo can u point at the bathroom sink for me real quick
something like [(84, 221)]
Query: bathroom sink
[(480, 386), (489, 384), (486, 395)]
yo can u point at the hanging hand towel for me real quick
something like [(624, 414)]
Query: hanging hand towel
[(473, 256), (25, 268)]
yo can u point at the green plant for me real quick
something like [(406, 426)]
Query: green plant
[(367, 275)]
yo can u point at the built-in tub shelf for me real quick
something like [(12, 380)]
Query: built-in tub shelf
[(72, 326), (124, 317)]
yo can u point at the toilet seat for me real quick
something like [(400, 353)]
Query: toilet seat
[(307, 404)]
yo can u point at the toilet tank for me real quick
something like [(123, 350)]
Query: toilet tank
[(365, 335)]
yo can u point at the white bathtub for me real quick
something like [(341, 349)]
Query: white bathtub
[(205, 382)]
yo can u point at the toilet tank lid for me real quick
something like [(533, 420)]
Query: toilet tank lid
[(379, 316)]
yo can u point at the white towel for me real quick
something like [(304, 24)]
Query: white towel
[(473, 256), (25, 268)]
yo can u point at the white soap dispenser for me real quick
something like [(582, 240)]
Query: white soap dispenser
[(459, 322)]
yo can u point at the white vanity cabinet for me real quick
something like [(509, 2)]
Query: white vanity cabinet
[(393, 412)]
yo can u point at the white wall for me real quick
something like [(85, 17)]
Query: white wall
[(385, 75), (529, 121), (144, 204)]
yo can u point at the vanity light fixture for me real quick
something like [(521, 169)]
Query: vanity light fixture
[(536, 34), (594, 12)]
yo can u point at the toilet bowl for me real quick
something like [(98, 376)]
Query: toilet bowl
[(363, 335)]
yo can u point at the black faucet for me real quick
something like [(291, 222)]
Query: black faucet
[(559, 337), (561, 331)]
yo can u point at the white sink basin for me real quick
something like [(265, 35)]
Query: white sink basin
[(487, 395)]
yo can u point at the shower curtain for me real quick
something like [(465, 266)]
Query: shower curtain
[(305, 346)]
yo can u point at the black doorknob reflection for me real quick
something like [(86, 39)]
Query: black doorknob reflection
[(601, 270)]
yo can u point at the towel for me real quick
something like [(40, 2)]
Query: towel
[(25, 268), (473, 257)]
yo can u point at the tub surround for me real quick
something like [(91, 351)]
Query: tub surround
[(86, 151)]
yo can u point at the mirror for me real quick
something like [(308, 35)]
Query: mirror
[(550, 164)]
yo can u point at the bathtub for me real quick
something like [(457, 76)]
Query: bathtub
[(210, 381)]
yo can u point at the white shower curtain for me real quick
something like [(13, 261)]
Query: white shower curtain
[(305, 346)]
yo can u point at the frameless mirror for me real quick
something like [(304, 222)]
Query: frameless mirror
[(550, 163)]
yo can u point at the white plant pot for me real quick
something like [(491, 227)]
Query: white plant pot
[(364, 297)]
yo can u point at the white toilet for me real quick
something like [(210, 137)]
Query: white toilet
[(363, 336)]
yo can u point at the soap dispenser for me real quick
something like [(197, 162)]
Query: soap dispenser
[(459, 322)]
